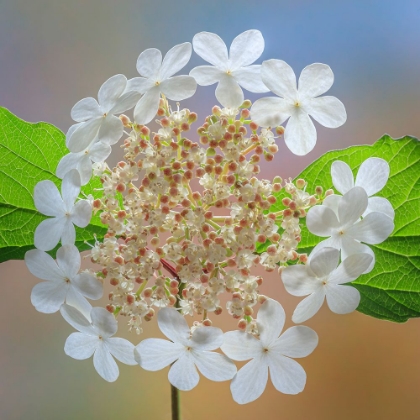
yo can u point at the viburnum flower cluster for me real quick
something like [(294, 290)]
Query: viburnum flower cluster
[(186, 213)]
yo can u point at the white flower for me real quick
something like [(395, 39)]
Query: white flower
[(322, 278), (269, 353), (298, 103), (64, 283), (372, 177), (95, 338), (157, 79), (345, 229), (82, 161), (187, 350), (98, 119), (65, 213), (230, 71)]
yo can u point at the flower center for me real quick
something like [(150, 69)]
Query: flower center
[(297, 104)]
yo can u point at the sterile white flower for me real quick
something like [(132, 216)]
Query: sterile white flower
[(321, 278), (345, 229), (65, 212), (188, 351), (157, 78), (371, 176), (64, 283), (95, 338), (96, 151), (98, 119), (269, 353), (233, 70), (298, 103)]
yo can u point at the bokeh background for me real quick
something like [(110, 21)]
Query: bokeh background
[(55, 52)]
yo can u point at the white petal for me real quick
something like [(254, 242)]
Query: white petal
[(70, 188), (342, 176), (126, 101), (179, 88), (250, 381), (351, 268), (309, 306), (175, 59), (68, 236), (381, 205), (270, 112), (342, 299), (300, 133), (351, 246), (47, 199), (83, 135), (121, 349), (139, 84), (99, 152), (332, 202), (68, 259), (246, 48), (299, 280), (82, 213), (239, 345), (111, 130), (327, 110), (43, 266), (88, 285), (105, 364), (85, 169), (173, 325), (287, 375), (183, 374), (47, 297), (296, 342), (71, 130), (206, 75), (211, 48), (81, 346), (228, 92), (85, 109), (270, 320), (155, 353), (373, 229), (67, 163), (48, 233), (324, 261), (321, 220), (315, 80), (77, 300), (373, 175), (206, 338), (78, 320), (352, 206), (280, 78), (149, 62), (110, 91), (215, 366), (330, 242), (250, 79), (147, 106), (104, 322)]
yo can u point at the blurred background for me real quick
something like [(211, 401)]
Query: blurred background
[(55, 52)]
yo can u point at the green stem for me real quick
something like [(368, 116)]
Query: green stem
[(175, 403)]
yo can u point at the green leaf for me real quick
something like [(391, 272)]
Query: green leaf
[(29, 153), (392, 289)]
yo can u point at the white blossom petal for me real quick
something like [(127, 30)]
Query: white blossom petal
[(309, 306), (351, 268), (250, 381), (250, 79), (111, 130), (324, 262), (270, 112), (206, 75), (228, 92), (373, 229), (240, 346), (315, 80), (155, 354), (287, 375), (149, 62), (77, 300), (43, 266), (126, 101), (67, 163), (147, 106), (280, 78), (68, 259), (105, 364), (299, 280), (320, 220), (246, 48), (121, 349), (342, 299), (47, 199), (82, 213), (99, 151), (215, 366), (71, 130), (83, 135), (47, 296), (350, 246), (173, 325), (342, 177), (48, 233), (206, 338), (373, 175), (70, 188), (183, 373), (352, 206), (81, 346), (88, 285), (327, 110), (270, 320), (381, 205), (110, 91), (179, 88), (68, 235), (300, 133), (78, 320), (139, 84), (85, 109), (175, 59), (296, 342), (211, 48), (104, 322), (332, 202)]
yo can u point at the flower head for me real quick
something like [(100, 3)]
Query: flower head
[(298, 103)]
